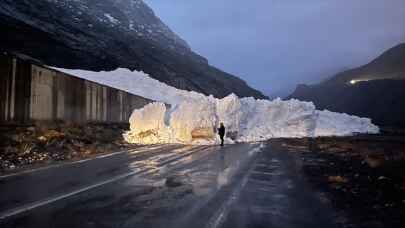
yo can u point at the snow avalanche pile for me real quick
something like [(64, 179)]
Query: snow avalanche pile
[(193, 118)]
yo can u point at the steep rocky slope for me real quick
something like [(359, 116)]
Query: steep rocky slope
[(376, 90), (103, 35)]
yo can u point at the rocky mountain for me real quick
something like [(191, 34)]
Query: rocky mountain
[(375, 90), (107, 34)]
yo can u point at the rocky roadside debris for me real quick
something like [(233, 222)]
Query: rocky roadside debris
[(41, 144), (362, 176)]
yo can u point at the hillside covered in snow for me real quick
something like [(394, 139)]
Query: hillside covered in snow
[(193, 117)]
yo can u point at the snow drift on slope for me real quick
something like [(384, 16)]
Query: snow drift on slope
[(138, 83), (193, 117)]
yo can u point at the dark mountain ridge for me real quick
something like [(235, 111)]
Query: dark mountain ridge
[(375, 90), (389, 65), (107, 34)]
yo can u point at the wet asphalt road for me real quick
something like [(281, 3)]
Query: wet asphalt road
[(243, 185)]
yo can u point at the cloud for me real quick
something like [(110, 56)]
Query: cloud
[(276, 44)]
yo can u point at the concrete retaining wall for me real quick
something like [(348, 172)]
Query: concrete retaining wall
[(30, 92)]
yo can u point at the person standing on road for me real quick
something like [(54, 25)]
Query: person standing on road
[(221, 132)]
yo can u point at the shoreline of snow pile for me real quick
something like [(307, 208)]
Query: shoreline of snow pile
[(194, 117)]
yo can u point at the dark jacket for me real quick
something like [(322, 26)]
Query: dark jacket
[(221, 131)]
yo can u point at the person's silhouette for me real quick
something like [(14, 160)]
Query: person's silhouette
[(221, 133)]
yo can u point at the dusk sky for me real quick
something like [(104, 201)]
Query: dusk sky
[(276, 44)]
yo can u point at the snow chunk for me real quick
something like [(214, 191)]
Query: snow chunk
[(263, 119), (148, 125), (190, 121), (341, 124), (230, 106)]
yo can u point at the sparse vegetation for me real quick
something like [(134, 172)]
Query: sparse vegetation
[(41, 143)]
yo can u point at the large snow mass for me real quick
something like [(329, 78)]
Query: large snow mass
[(193, 117)]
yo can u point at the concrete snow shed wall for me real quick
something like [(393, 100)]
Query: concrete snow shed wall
[(30, 92)]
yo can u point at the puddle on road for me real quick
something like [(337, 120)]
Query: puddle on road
[(206, 171)]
